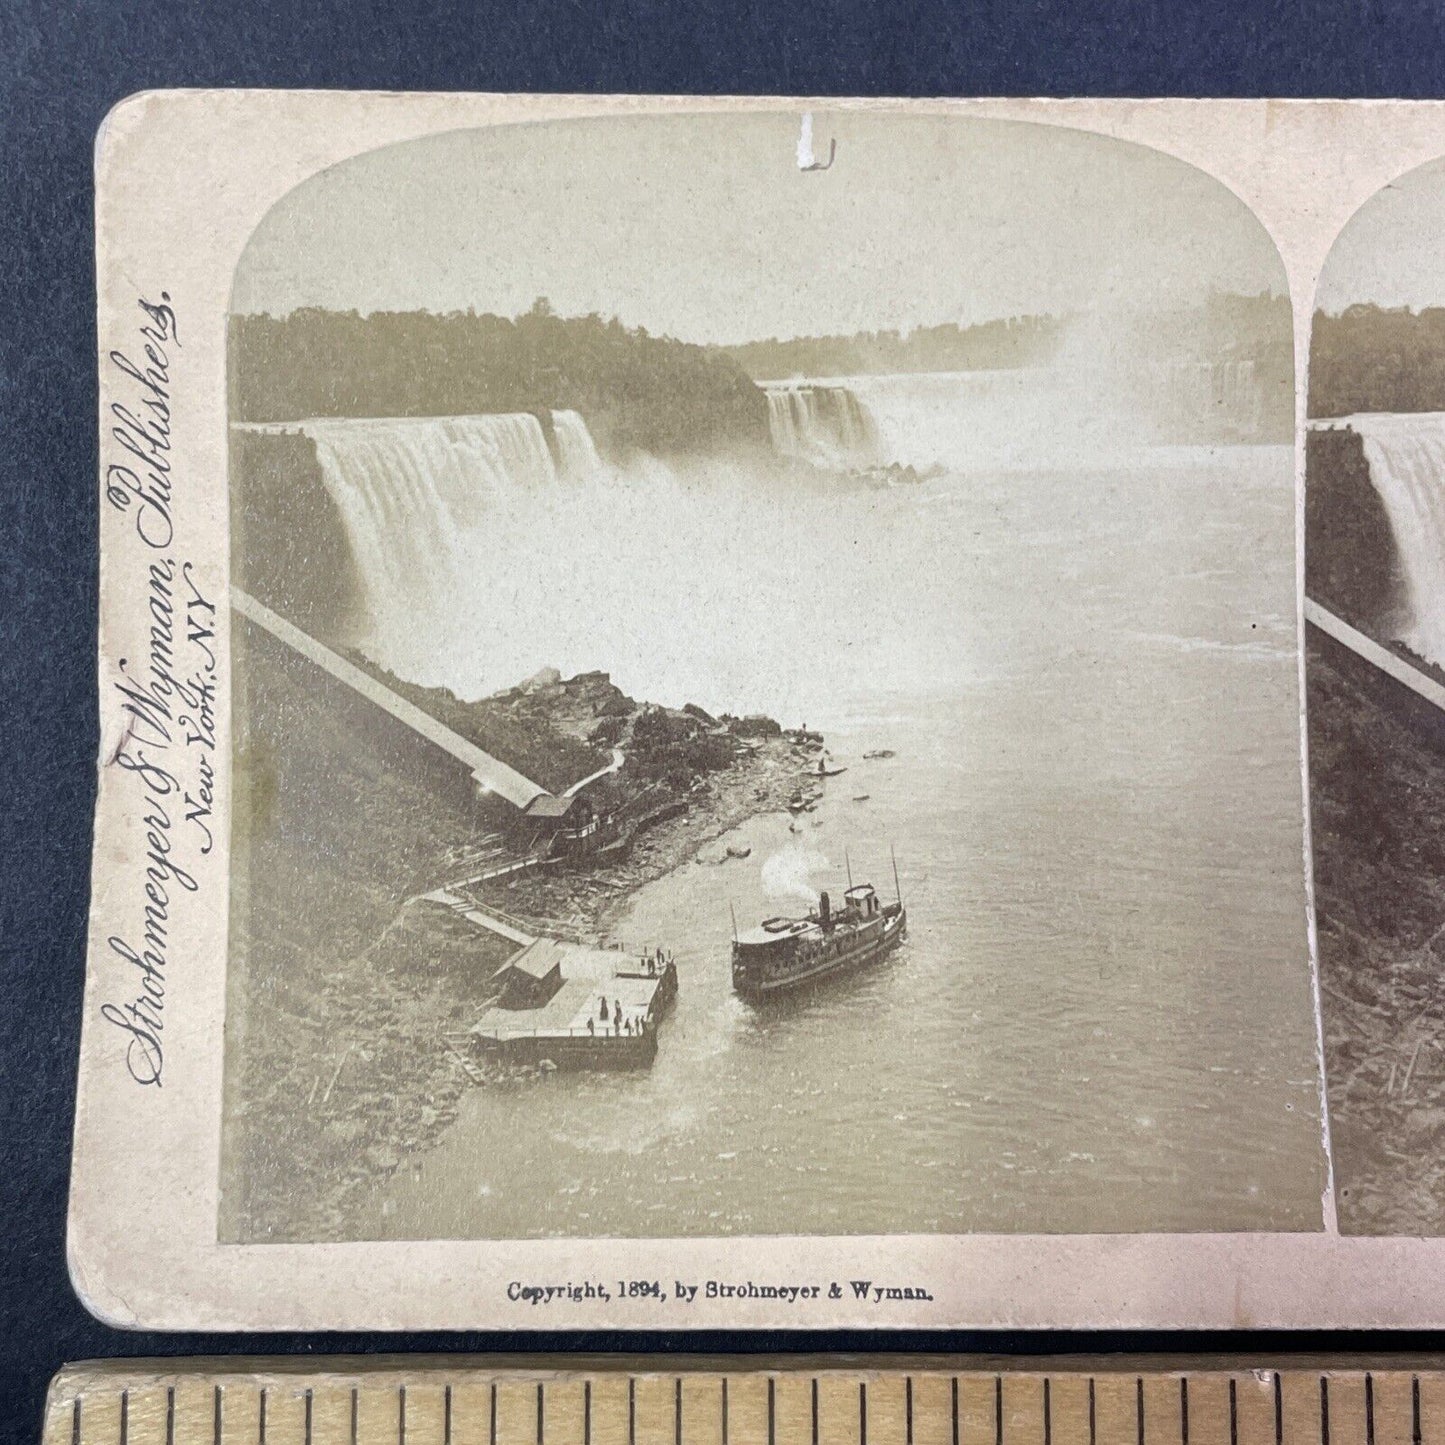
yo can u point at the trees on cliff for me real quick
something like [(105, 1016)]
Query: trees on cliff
[(633, 390)]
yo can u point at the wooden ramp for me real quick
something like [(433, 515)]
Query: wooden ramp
[(1388, 662), (491, 774)]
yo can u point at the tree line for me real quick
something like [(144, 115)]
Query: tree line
[(634, 390), (1374, 358), (989, 345)]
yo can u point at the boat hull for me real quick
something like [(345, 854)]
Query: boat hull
[(792, 975)]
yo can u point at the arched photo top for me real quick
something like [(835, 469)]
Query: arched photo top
[(703, 227), (1375, 601), (1378, 335)]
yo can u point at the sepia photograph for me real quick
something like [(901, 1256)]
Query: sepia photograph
[(766, 691), (1375, 608)]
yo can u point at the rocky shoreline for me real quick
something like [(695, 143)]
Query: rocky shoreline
[(352, 1075), (590, 898)]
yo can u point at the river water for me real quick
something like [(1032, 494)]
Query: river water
[(1102, 1019)]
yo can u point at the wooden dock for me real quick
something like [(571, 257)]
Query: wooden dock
[(605, 1015)]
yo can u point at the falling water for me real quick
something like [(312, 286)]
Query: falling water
[(1406, 456), (576, 454), (1224, 393), (826, 425), (421, 497)]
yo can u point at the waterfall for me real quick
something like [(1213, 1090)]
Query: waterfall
[(824, 424), (421, 497), (1222, 393), (1406, 456), (576, 454)]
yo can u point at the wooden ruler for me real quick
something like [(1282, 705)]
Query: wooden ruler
[(882, 1400)]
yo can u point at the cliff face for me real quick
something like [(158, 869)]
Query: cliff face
[(289, 547), (1377, 771), (335, 994), (1351, 564)]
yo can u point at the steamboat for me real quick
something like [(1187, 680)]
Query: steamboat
[(788, 953)]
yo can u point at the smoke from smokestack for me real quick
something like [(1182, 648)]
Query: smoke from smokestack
[(787, 873)]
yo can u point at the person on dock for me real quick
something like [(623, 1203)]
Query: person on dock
[(617, 1015), (602, 1011), (591, 1026)]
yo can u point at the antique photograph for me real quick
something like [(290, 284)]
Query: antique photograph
[(1375, 589), (765, 691)]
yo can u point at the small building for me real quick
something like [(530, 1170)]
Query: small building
[(602, 1007), (559, 826), (532, 976)]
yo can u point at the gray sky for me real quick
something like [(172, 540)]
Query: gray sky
[(1391, 251), (703, 227)]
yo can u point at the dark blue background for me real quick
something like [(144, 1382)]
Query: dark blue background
[(63, 65)]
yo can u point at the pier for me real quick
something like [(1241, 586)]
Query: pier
[(591, 1008)]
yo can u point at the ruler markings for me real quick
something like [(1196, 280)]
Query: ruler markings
[(1117, 1412), (1204, 1409), (1431, 1418), (1158, 1412), (778, 1407), (1068, 1409), (702, 1398), (1342, 1409), (1301, 1408), (792, 1402), (1021, 1397)]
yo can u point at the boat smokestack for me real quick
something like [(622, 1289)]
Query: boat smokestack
[(824, 911)]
